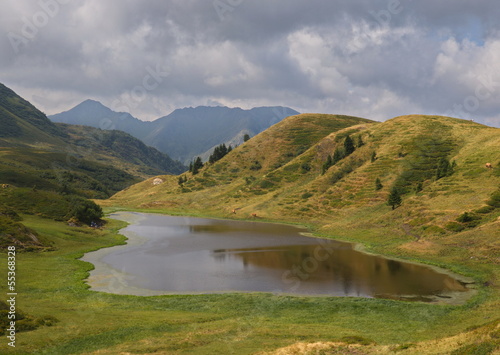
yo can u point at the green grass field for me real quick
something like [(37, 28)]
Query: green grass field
[(51, 284)]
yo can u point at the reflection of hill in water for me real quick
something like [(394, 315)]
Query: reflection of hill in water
[(345, 269)]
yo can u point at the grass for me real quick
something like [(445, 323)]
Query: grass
[(203, 324), (346, 210), (347, 207)]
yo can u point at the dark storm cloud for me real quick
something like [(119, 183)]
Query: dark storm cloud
[(376, 59)]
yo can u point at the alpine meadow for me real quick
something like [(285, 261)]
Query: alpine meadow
[(250, 177)]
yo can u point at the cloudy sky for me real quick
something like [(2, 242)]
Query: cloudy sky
[(371, 58)]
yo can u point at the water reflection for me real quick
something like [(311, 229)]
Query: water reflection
[(192, 255), (330, 269)]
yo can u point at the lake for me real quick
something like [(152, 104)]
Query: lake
[(187, 255)]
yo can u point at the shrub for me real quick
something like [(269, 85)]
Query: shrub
[(266, 184), (85, 211), (306, 195), (485, 209), (255, 166), (465, 217), (455, 227), (495, 199), (305, 167), (356, 339)]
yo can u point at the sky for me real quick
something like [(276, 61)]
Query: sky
[(370, 58)]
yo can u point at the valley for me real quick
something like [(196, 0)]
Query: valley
[(415, 188)]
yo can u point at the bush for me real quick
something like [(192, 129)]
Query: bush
[(485, 209), (355, 339), (495, 199), (85, 211), (306, 195), (304, 168), (455, 227), (266, 184), (255, 166), (466, 217)]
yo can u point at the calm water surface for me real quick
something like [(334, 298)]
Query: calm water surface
[(185, 255)]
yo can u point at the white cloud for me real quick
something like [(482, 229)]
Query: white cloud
[(319, 56)]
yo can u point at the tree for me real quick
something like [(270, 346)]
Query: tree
[(378, 184), (219, 152), (85, 211), (349, 146), (327, 164), (338, 155), (246, 137), (373, 157), (394, 199), (182, 180), (197, 165), (359, 142)]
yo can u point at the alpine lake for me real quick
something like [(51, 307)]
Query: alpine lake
[(187, 255)]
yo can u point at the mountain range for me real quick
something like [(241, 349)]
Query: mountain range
[(185, 133)]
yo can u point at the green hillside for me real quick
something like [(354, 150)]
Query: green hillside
[(21, 123), (49, 170), (281, 172), (337, 180), (74, 159)]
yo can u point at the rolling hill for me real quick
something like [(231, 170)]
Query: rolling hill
[(282, 175), (280, 172), (304, 170), (185, 133)]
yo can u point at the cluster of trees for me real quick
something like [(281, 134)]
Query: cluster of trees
[(411, 178), (219, 152), (341, 152), (195, 166)]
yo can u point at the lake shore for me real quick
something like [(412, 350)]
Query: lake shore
[(105, 278)]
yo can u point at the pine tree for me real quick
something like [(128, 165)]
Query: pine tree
[(394, 199), (197, 165), (378, 184), (349, 146), (327, 164), (338, 155), (246, 137)]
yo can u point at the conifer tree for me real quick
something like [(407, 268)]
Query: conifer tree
[(197, 165), (378, 184), (348, 146), (327, 164), (394, 199)]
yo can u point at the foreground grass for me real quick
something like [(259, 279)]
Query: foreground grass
[(51, 283)]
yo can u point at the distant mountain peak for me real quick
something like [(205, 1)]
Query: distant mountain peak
[(91, 102)]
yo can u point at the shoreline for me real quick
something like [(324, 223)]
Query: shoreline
[(104, 278)]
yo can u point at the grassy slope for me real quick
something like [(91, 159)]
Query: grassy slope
[(119, 149), (88, 322), (349, 208), (90, 162)]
